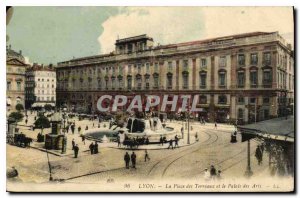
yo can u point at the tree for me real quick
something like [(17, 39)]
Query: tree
[(48, 107), (42, 122), (19, 107), (16, 116)]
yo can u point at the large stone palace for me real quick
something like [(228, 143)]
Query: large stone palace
[(243, 78)]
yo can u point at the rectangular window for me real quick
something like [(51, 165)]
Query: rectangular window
[(147, 85), (120, 70), (169, 82), (185, 81), (252, 100), (222, 79), (156, 82), (203, 80), (267, 58), (139, 68), (120, 83), (203, 62), (241, 79), (139, 83), (147, 67), (18, 86), (113, 83), (254, 59), (267, 78), (241, 100), (222, 62), (8, 85), (253, 78), (129, 83), (266, 100), (241, 59)]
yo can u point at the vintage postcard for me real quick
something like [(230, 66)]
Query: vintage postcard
[(150, 99)]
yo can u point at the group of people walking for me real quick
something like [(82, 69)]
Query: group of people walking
[(94, 148), (212, 173), (127, 159)]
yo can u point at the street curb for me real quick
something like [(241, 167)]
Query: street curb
[(150, 148)]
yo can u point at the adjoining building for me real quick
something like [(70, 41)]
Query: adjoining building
[(40, 86), (15, 79), (240, 78)]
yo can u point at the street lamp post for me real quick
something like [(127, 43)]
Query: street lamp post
[(188, 138), (248, 172)]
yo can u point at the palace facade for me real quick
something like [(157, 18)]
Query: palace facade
[(238, 78)]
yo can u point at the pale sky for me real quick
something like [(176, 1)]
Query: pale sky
[(54, 34)]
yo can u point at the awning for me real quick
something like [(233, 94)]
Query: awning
[(42, 104), (276, 129)]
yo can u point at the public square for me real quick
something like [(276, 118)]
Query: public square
[(187, 162)]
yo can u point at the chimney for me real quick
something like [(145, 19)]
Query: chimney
[(20, 52), (9, 46)]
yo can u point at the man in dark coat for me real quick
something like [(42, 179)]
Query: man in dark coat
[(213, 172), (92, 148), (73, 128), (76, 150), (86, 128), (171, 144), (96, 148), (79, 129), (176, 141), (133, 159), (73, 144), (127, 160), (83, 139), (161, 141), (258, 155)]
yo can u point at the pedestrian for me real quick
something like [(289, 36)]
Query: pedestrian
[(92, 148), (26, 121), (182, 132), (99, 125), (76, 150), (133, 159), (79, 129), (119, 141), (96, 148), (86, 128), (73, 144), (191, 128), (258, 155), (206, 174), (68, 128), (213, 172), (196, 137), (171, 144), (161, 141), (219, 174), (127, 160), (176, 142), (73, 128), (83, 139), (147, 156), (215, 125), (147, 141)]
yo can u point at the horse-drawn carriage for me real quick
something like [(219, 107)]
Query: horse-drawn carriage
[(22, 141)]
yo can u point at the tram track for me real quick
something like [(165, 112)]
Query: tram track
[(184, 154)]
